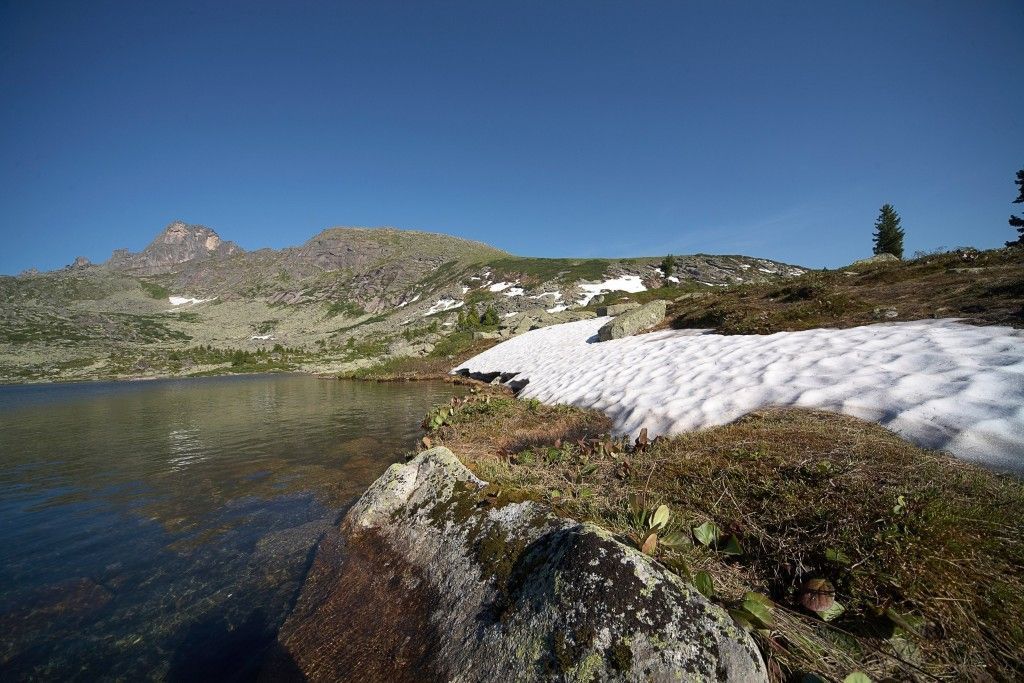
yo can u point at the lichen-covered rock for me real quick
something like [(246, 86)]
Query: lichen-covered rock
[(876, 259), (433, 575), (616, 309), (537, 318), (631, 322)]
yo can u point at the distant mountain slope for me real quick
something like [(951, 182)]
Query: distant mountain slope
[(345, 296)]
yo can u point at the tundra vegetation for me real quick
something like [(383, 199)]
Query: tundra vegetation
[(841, 547)]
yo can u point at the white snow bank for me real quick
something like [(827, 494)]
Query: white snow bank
[(938, 383), (410, 301), (443, 305), (626, 283), (501, 286), (261, 337), (514, 291), (182, 300)]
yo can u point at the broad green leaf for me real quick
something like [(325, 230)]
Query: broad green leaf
[(832, 612), (732, 547), (675, 539), (837, 556), (706, 533), (759, 607), (742, 619), (660, 517), (906, 649), (702, 581), (857, 677), (907, 622)]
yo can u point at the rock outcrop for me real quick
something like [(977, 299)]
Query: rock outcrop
[(179, 243), (633, 321), (876, 259), (616, 309), (434, 576), (537, 318)]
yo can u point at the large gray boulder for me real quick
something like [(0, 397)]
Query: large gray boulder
[(875, 260), (616, 309), (432, 575), (537, 318), (631, 322)]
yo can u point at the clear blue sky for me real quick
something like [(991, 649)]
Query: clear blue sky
[(544, 128)]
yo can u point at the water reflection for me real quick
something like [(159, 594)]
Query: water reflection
[(160, 529)]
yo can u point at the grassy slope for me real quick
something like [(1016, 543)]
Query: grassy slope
[(983, 288), (925, 552), (447, 353)]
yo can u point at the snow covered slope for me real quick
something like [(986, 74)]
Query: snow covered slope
[(939, 383)]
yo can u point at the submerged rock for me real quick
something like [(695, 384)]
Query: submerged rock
[(431, 576), (631, 322)]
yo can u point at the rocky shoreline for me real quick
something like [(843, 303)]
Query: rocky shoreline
[(435, 575)]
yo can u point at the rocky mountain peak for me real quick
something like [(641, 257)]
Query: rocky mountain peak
[(179, 243), (79, 263)]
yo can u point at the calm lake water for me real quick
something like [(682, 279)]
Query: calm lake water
[(161, 530)]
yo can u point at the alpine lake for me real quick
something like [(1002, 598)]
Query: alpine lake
[(161, 530)]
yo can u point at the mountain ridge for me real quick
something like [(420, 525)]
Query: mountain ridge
[(346, 295)]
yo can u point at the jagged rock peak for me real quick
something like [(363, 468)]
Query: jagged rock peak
[(178, 243), (79, 263), (184, 234)]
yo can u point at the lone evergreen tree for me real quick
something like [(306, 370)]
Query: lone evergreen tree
[(1017, 221), (888, 233), (668, 265), (490, 317)]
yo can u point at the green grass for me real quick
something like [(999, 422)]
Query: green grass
[(537, 270), (154, 290), (344, 307), (447, 353), (979, 287)]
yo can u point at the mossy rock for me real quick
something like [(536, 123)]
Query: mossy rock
[(435, 575)]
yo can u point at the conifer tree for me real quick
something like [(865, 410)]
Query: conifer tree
[(888, 236), (472, 320), (668, 265), (490, 317), (1016, 221)]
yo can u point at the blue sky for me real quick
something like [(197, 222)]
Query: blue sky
[(544, 128)]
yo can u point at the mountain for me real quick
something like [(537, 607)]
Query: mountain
[(346, 297), (178, 244)]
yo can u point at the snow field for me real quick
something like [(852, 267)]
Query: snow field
[(938, 383)]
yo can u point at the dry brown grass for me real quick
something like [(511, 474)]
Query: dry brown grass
[(926, 552), (979, 287)]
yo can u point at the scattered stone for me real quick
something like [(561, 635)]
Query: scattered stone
[(429, 577), (616, 309), (691, 295), (631, 322), (404, 349), (486, 335), (876, 259), (537, 318), (884, 313)]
